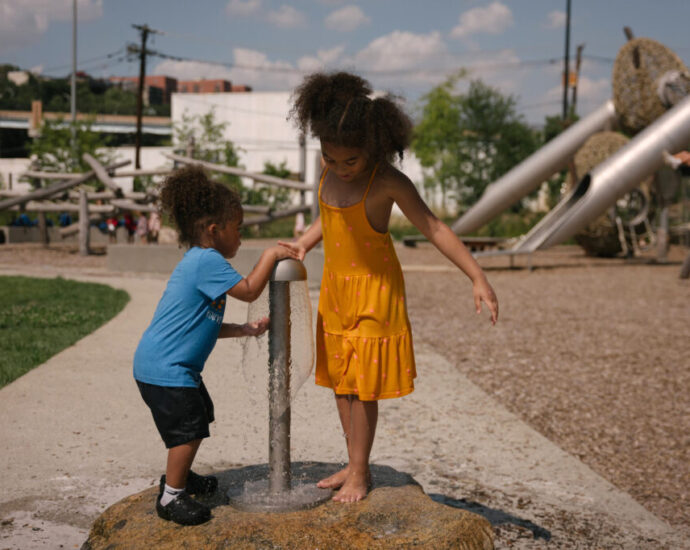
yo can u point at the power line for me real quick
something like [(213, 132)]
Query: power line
[(97, 58)]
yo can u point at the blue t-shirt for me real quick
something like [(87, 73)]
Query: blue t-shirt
[(185, 326)]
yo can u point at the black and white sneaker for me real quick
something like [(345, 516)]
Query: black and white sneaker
[(184, 510), (196, 484)]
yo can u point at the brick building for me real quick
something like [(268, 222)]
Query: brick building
[(157, 88)]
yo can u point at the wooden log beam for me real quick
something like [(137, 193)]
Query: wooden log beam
[(106, 195), (50, 175), (102, 174), (272, 216), (54, 189), (263, 178), (84, 224), (35, 206), (142, 172), (124, 204), (256, 208), (74, 228)]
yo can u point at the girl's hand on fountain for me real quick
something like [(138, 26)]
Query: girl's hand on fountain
[(256, 328), (295, 248), (282, 252)]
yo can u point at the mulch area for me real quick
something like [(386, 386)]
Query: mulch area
[(592, 353)]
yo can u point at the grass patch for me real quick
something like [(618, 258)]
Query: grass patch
[(40, 317)]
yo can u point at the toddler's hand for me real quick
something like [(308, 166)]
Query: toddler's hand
[(295, 248), (483, 292), (256, 328)]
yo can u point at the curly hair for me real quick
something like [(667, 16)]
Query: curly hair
[(336, 108), (193, 201)]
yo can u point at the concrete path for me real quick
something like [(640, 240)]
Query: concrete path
[(77, 438)]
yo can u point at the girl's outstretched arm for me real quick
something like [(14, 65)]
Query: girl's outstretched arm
[(307, 241), (404, 193)]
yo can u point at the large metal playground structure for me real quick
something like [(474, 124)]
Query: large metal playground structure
[(609, 171)]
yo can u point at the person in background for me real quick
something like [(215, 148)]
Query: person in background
[(130, 226), (142, 227), (154, 227)]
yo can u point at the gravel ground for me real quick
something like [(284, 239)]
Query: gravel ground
[(592, 353)]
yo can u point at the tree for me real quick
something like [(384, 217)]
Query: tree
[(275, 197), (53, 150), (203, 137), (470, 140)]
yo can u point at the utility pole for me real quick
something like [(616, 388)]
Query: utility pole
[(566, 62), (578, 62), (73, 99), (144, 30)]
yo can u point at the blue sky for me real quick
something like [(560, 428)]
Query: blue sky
[(402, 46)]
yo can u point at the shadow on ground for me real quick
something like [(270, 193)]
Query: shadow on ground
[(495, 517)]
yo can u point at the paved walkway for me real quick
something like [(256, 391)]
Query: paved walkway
[(77, 438)]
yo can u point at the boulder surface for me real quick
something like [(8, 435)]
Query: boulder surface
[(396, 514)]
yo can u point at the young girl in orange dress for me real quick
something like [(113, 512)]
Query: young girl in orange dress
[(364, 342)]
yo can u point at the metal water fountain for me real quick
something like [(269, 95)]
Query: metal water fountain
[(278, 493)]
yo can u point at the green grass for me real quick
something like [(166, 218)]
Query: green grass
[(40, 317)]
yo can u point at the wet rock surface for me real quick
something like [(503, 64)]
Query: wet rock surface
[(396, 514)]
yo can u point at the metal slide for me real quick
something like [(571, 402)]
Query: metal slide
[(532, 171), (607, 182)]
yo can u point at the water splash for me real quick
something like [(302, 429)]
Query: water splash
[(255, 351)]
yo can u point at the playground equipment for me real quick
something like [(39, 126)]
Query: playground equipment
[(618, 174), (625, 225), (63, 185), (651, 88)]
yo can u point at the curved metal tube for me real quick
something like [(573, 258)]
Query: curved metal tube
[(611, 179), (532, 171)]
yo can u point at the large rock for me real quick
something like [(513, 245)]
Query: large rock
[(396, 514)]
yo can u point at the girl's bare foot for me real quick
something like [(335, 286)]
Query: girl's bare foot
[(336, 480), (355, 488)]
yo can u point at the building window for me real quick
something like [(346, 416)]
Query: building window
[(196, 88)]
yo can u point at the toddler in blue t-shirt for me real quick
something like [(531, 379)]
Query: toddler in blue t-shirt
[(187, 322)]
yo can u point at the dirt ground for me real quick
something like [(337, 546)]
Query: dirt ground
[(592, 353)]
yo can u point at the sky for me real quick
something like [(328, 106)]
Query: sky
[(405, 47)]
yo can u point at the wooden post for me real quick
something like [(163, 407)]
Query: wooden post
[(43, 229), (685, 268), (144, 29), (315, 190), (578, 63), (302, 166), (83, 224)]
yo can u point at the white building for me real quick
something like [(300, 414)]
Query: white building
[(257, 123)]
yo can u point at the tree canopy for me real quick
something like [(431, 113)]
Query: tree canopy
[(468, 140)]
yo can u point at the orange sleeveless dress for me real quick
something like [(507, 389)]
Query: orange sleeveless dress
[(363, 336)]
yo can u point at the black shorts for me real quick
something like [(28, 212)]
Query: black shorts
[(181, 414)]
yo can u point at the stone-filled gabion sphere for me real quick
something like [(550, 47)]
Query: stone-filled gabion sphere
[(600, 238), (639, 65)]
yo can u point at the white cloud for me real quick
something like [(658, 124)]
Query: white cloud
[(250, 67), (21, 23), (287, 17), (492, 19), (401, 50), (242, 7), (323, 58), (555, 20), (346, 19)]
